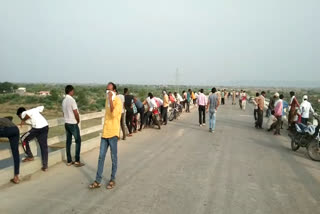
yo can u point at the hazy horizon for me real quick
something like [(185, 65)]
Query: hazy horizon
[(257, 43)]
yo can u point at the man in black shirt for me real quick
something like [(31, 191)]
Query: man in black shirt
[(10, 130), (128, 105)]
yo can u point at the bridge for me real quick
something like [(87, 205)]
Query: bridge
[(180, 169)]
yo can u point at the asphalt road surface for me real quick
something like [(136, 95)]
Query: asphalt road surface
[(182, 169)]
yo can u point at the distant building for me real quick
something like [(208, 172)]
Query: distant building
[(21, 91), (44, 93)]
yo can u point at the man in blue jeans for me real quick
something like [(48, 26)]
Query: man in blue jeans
[(212, 107), (72, 119), (110, 135)]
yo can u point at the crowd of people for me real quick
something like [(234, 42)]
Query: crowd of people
[(277, 111), (127, 114), (122, 111)]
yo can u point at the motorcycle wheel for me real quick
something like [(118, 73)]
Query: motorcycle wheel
[(294, 145), (171, 116), (313, 150), (23, 144)]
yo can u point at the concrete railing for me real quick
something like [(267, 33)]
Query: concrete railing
[(54, 156)]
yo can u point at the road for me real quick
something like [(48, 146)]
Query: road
[(182, 169)]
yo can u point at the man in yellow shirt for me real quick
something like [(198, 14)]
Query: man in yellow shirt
[(164, 110), (110, 136)]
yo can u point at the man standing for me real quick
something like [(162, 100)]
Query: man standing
[(212, 107), (71, 119), (233, 97), (110, 135), (202, 108), (260, 110), (39, 130), (10, 130), (305, 109), (128, 104), (255, 102), (294, 104), (164, 112), (188, 100), (278, 108), (140, 108), (122, 121)]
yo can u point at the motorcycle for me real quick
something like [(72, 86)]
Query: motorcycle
[(308, 137), (175, 112)]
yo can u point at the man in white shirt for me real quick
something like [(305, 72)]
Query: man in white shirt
[(39, 130), (72, 119), (305, 109), (151, 102)]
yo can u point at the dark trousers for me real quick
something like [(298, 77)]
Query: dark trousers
[(194, 101), (278, 126), (13, 134), (222, 100), (73, 130), (123, 127), (255, 114), (304, 121), (129, 117), (42, 136), (164, 114), (202, 114), (147, 117), (260, 118), (188, 106), (141, 112)]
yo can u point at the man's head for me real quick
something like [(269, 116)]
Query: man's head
[(150, 95), (126, 91), (170, 93), (111, 87), (276, 95), (213, 90), (19, 111), (69, 90), (135, 98), (281, 96), (305, 97), (263, 93), (292, 93), (164, 92), (201, 90), (183, 92), (257, 94), (189, 90)]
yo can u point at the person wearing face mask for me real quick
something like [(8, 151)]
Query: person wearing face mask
[(110, 136)]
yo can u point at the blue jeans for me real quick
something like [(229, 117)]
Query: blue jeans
[(105, 143), (212, 120), (73, 129)]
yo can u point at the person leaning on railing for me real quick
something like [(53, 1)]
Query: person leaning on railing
[(10, 130)]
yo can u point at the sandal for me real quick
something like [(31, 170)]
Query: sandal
[(78, 164), (15, 181), (111, 185), (27, 159), (44, 169), (94, 185)]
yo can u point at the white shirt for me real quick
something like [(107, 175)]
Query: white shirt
[(159, 100), (122, 100), (151, 103), (305, 109), (179, 98), (36, 120), (68, 105)]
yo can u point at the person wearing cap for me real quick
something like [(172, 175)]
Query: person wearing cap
[(10, 130), (305, 109)]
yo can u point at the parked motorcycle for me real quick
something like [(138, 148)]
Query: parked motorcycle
[(308, 137)]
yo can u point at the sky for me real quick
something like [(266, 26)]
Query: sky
[(146, 41)]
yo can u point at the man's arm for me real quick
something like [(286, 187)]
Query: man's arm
[(110, 101), (76, 115)]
